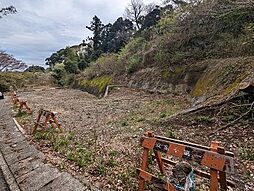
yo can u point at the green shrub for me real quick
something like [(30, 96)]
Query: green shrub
[(134, 63), (14, 80)]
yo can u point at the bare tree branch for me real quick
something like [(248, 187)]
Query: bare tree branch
[(7, 10), (135, 11), (9, 63)]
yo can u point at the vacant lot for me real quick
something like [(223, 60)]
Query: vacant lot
[(110, 128), (107, 132)]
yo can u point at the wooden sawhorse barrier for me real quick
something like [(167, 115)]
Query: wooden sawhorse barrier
[(50, 118), (216, 158), (15, 98), (21, 104), (24, 105)]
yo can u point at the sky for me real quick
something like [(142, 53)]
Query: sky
[(42, 27)]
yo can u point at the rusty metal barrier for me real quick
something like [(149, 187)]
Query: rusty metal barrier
[(215, 157), (50, 118)]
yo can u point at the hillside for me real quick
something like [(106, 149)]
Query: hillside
[(184, 70), (191, 48)]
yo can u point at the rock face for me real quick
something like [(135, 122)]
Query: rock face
[(223, 79), (204, 81), (178, 79)]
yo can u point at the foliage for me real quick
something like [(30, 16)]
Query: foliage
[(116, 35), (14, 80), (98, 84), (66, 56), (71, 66), (131, 54), (96, 27), (208, 29), (35, 69), (59, 73), (151, 18), (180, 33)]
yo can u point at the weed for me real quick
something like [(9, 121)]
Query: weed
[(60, 143), (111, 162), (140, 119), (101, 169), (204, 119), (49, 134), (229, 118), (124, 123), (113, 153), (39, 135), (71, 155), (81, 162), (80, 156), (170, 134), (21, 113), (71, 136), (247, 154), (163, 114)]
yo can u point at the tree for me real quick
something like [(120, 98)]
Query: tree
[(71, 66), (135, 11), (117, 35), (151, 18), (9, 63), (35, 69), (176, 2), (7, 10), (96, 27), (54, 58)]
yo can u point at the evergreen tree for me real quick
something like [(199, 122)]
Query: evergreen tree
[(96, 27)]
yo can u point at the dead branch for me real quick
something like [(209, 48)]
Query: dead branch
[(231, 123)]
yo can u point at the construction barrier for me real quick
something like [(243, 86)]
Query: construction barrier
[(49, 118), (216, 158), (15, 98), (22, 105)]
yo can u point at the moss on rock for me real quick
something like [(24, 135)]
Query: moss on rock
[(223, 77)]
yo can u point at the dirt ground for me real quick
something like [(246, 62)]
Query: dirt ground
[(110, 128)]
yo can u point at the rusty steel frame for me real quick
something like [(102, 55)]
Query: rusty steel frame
[(50, 118), (216, 158)]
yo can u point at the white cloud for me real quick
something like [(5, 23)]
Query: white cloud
[(43, 26)]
